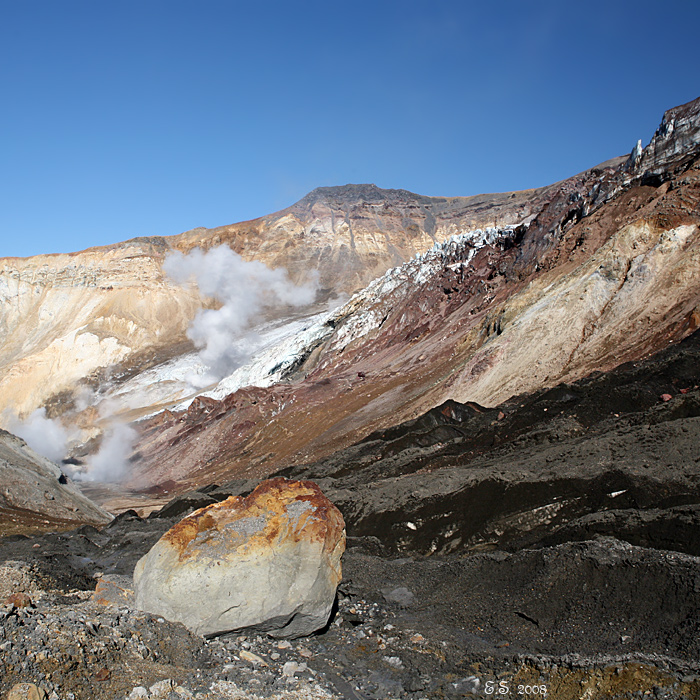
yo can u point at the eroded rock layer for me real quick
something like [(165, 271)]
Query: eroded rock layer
[(607, 271), (64, 317)]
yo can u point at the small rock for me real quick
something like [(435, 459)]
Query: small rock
[(292, 667), (400, 595), (251, 658), (417, 638), (394, 661), (666, 397), (306, 653), (104, 674), (114, 590), (138, 693), (26, 691), (164, 690), (284, 644), (19, 600)]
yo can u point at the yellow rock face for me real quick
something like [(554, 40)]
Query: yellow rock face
[(64, 316)]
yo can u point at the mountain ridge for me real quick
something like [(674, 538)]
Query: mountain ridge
[(96, 297), (606, 272)]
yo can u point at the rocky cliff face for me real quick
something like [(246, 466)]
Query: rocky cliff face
[(352, 234), (494, 296), (607, 271), (65, 317)]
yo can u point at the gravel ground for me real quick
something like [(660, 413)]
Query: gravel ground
[(403, 628), (551, 550)]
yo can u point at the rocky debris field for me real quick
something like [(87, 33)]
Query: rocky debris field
[(439, 627), (546, 546)]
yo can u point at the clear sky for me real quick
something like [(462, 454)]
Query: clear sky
[(149, 117)]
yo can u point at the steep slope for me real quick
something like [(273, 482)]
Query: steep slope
[(606, 272), (613, 454), (65, 317), (35, 495)]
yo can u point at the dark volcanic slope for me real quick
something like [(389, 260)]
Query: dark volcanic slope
[(605, 455), (563, 529)]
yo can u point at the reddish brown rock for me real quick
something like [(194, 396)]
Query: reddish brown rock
[(269, 562), (19, 600), (113, 590)]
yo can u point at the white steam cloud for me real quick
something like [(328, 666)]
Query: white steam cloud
[(52, 439), (111, 462), (245, 289), (223, 337), (44, 435)]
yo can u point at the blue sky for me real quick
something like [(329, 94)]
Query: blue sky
[(123, 119)]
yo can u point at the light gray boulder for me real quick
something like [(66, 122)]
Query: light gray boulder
[(269, 562)]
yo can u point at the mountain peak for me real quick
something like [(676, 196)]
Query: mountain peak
[(355, 193)]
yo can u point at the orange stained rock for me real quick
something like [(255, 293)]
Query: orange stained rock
[(273, 501), (19, 600)]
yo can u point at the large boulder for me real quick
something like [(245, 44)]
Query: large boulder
[(268, 562)]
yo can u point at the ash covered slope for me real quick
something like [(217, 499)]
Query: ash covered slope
[(34, 494), (614, 454), (578, 509), (607, 271), (63, 317)]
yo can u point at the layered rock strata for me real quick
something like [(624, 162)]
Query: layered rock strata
[(65, 318), (608, 271)]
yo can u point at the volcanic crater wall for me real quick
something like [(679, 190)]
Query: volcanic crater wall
[(606, 271)]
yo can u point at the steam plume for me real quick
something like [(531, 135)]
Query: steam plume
[(245, 289), (44, 435), (111, 462), (50, 438)]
